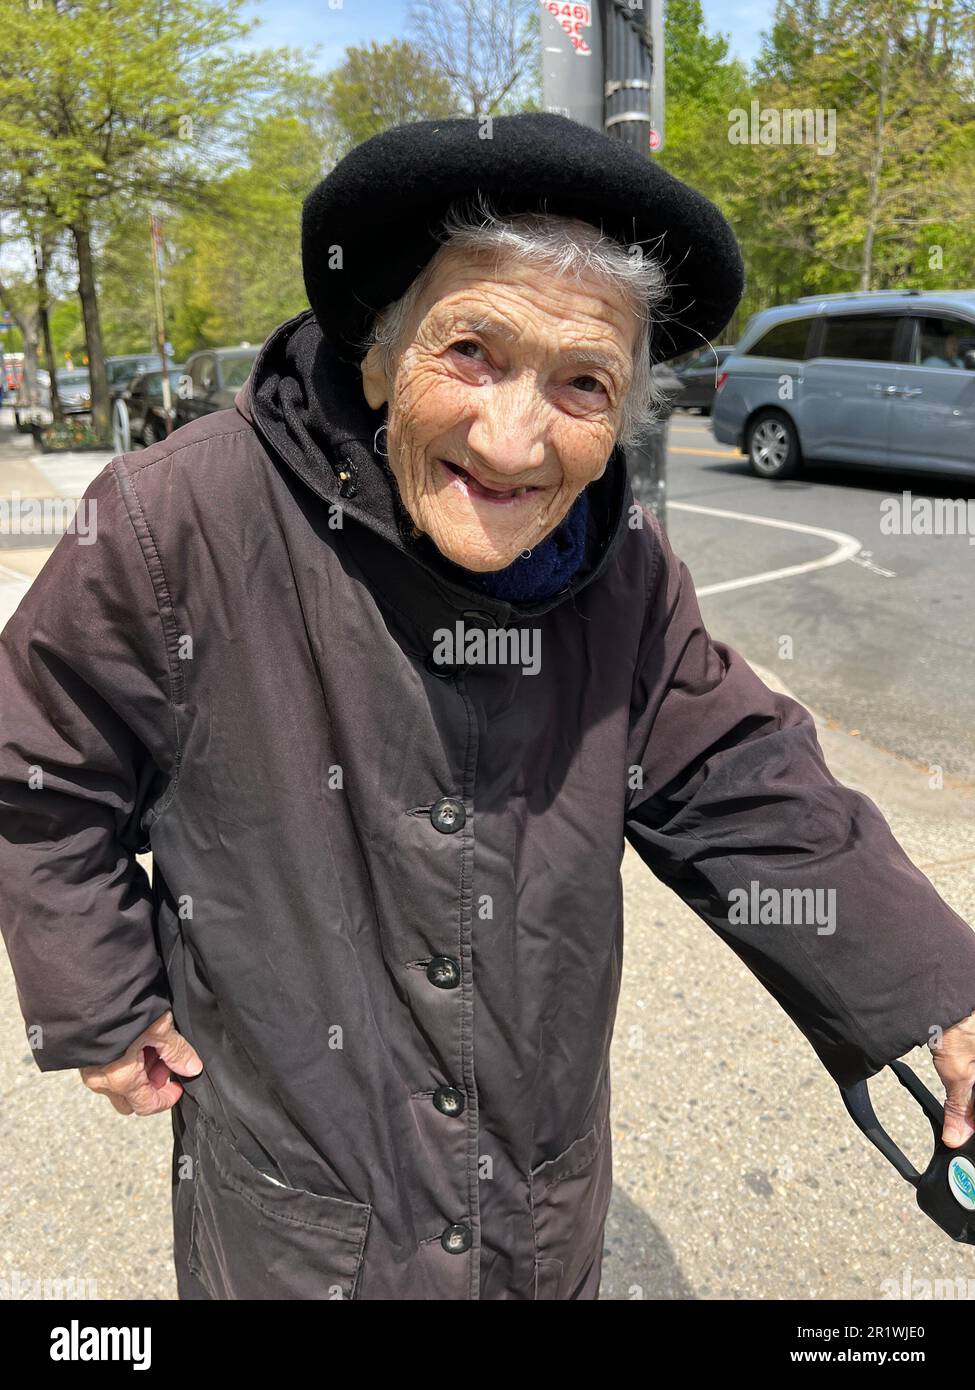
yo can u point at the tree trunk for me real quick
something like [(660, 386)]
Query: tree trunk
[(27, 323), (101, 409), (44, 317), (876, 161)]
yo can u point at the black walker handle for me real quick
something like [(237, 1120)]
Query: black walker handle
[(946, 1189)]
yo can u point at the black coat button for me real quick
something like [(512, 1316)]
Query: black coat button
[(448, 814), (448, 1100), (478, 617), (442, 669), (456, 1239), (443, 972)]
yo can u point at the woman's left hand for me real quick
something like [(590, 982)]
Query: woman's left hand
[(954, 1060)]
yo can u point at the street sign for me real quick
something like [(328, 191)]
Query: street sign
[(575, 20), (572, 60)]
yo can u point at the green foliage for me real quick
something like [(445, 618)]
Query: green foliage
[(892, 205), (101, 98), (383, 85)]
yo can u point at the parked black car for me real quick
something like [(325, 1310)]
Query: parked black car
[(697, 377), (144, 397), (121, 370), (210, 380)]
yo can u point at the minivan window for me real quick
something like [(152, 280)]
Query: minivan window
[(862, 337), (235, 370), (201, 374), (941, 342), (702, 360), (784, 340), (128, 368)]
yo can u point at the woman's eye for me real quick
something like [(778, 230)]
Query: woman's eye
[(595, 384), (466, 343)]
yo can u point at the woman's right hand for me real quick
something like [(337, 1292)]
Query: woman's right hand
[(140, 1082)]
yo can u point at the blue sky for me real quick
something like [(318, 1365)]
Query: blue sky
[(303, 23)]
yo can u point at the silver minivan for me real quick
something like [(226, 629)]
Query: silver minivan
[(884, 379)]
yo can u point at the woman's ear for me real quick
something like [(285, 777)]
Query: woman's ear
[(374, 382)]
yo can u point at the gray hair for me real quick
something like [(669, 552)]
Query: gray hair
[(565, 246)]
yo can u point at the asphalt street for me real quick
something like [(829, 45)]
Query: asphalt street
[(883, 643)]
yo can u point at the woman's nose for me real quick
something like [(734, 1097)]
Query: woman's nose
[(508, 432)]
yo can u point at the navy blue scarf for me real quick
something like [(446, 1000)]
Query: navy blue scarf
[(551, 566)]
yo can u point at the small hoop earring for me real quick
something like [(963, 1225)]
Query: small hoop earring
[(526, 554), (375, 443)]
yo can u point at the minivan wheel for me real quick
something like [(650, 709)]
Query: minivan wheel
[(773, 446)]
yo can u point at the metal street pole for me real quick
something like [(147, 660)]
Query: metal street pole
[(603, 65), (155, 231)]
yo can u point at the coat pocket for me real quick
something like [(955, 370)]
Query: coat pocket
[(570, 1199), (255, 1238)]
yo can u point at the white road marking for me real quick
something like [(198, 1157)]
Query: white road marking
[(864, 559), (846, 548)]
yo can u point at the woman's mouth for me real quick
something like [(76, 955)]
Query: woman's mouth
[(473, 487)]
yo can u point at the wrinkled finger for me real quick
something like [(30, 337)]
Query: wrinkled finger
[(179, 1054), (959, 1123), (158, 1073), (147, 1099)]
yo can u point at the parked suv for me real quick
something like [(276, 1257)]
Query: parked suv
[(885, 379), (211, 379), (146, 404), (695, 378), (121, 370)]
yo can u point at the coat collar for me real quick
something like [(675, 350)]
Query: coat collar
[(307, 406)]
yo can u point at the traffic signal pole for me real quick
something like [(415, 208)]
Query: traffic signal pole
[(603, 66)]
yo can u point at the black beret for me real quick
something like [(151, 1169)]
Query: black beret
[(381, 205)]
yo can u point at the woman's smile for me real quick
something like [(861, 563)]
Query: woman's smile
[(466, 482)]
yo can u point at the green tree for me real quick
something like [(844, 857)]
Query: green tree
[(703, 84), (883, 209), (385, 85), (102, 99), (236, 269)]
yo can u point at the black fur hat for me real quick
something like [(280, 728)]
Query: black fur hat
[(370, 226)]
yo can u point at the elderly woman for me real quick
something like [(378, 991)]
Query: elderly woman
[(384, 665)]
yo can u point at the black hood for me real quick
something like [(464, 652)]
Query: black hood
[(308, 405)]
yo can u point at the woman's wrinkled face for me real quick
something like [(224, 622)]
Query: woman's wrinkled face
[(506, 403)]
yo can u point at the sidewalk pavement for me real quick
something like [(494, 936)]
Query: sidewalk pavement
[(27, 475), (737, 1173)]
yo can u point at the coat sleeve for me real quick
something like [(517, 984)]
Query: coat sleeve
[(87, 740), (730, 796)]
